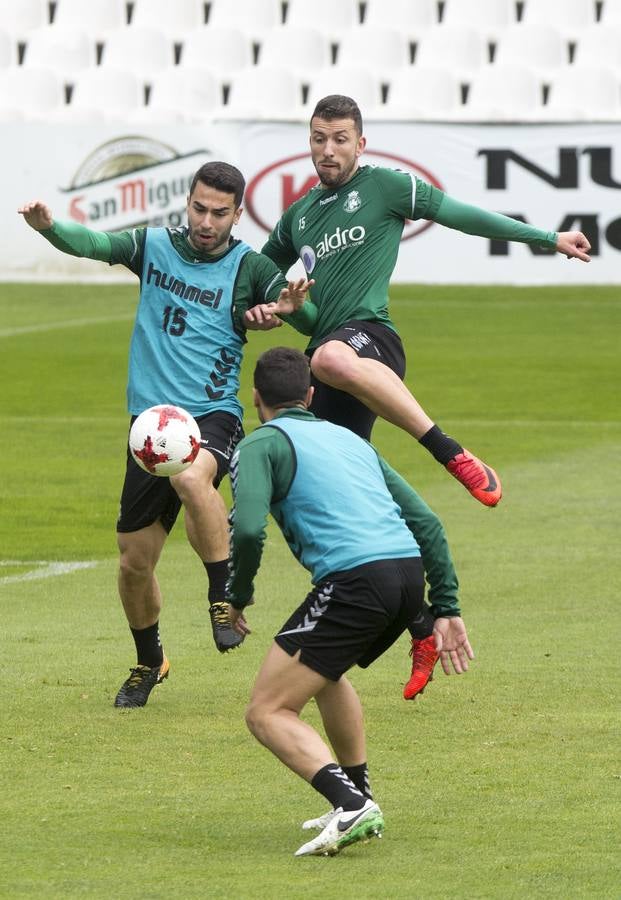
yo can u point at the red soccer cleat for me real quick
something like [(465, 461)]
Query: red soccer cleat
[(476, 477), (424, 657)]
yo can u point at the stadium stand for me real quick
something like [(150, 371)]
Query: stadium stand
[(30, 94), (584, 93), (505, 93), (144, 51), (470, 60), (263, 92), (423, 92), (182, 94)]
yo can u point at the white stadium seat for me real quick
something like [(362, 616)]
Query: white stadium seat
[(541, 47), (569, 16), (20, 17), (221, 50), (68, 50), (489, 17), (599, 46), (264, 93), (382, 50), (95, 17), (302, 50), (174, 17), (583, 93), (253, 17), (505, 93), (460, 49), (8, 50), (360, 84), (144, 51), (30, 93), (105, 93), (330, 17), (423, 92), (182, 94), (408, 17)]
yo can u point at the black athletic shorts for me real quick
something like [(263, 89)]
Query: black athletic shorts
[(370, 340), (355, 616), (146, 498)]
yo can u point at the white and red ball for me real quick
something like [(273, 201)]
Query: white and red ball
[(164, 440)]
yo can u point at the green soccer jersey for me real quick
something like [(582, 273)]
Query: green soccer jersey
[(348, 240)]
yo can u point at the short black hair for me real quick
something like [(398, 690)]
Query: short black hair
[(223, 177), (282, 376), (337, 106)]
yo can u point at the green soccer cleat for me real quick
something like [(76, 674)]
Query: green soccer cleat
[(142, 679), (346, 828)]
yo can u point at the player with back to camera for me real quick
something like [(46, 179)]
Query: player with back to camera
[(347, 231), (360, 530), (196, 285)]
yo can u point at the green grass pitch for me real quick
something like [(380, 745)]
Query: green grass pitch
[(503, 783)]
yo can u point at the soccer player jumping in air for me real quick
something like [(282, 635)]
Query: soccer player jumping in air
[(346, 231)]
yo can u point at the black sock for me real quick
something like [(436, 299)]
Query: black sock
[(442, 447), (360, 777), (148, 647), (217, 573), (333, 783), (422, 625)]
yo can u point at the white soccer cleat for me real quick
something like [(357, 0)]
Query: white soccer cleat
[(320, 823), (345, 828)]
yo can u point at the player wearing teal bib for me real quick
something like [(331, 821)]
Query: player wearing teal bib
[(360, 530), (346, 231), (196, 286)]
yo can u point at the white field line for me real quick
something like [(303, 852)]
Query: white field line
[(43, 569), (65, 323)]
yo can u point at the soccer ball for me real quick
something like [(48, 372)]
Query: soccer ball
[(164, 440)]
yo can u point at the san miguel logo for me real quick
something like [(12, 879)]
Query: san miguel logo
[(272, 190), (133, 181)]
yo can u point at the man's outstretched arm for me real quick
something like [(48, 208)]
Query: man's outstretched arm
[(69, 237)]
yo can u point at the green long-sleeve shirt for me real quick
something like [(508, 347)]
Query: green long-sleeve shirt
[(262, 473), (348, 240)]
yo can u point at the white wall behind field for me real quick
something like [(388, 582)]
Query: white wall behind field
[(112, 176)]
